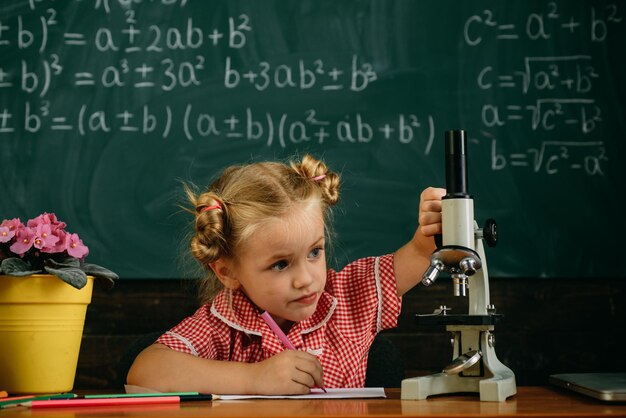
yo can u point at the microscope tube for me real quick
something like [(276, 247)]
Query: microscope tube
[(457, 205)]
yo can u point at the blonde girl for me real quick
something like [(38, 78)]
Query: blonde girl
[(260, 231)]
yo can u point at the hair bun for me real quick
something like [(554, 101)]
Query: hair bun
[(316, 171), (207, 241)]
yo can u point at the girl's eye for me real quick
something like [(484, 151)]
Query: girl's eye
[(279, 265), (316, 252)]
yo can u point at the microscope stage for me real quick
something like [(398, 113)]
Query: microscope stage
[(462, 319)]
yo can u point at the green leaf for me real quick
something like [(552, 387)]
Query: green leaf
[(70, 275), (106, 276), (17, 267), (62, 262)]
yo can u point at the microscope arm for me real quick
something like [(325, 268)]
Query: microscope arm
[(479, 283)]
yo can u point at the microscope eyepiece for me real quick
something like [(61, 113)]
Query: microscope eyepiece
[(456, 163)]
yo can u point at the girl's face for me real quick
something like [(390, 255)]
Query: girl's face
[(282, 266)]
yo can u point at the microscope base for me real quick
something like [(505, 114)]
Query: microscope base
[(494, 389), (490, 378)]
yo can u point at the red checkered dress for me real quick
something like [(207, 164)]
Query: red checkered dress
[(358, 302)]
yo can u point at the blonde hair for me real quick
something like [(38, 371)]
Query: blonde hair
[(246, 196)]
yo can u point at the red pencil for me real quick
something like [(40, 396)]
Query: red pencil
[(62, 403)]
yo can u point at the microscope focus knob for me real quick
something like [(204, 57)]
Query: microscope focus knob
[(490, 232)]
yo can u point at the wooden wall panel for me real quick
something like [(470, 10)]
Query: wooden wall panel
[(550, 326)]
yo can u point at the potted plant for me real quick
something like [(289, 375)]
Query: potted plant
[(45, 287)]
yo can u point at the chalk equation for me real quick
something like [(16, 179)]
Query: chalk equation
[(193, 123), (130, 39), (542, 25), (546, 114), (572, 74), (552, 157), (167, 75)]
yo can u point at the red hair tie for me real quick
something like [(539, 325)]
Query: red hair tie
[(318, 178), (206, 208)]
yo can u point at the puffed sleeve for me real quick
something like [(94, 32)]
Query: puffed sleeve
[(367, 297), (199, 335)]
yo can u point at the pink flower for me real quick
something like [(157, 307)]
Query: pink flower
[(43, 234), (44, 239), (46, 218), (24, 239), (75, 247), (6, 234), (8, 229), (61, 244)]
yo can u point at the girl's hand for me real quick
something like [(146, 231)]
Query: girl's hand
[(411, 261), (288, 373), (429, 219)]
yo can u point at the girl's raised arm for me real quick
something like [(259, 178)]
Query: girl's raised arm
[(412, 259)]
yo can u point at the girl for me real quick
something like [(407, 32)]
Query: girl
[(260, 230)]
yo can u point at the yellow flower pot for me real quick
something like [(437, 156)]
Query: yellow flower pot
[(41, 328)]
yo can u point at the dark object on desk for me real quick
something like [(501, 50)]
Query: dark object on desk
[(603, 386), (132, 352), (385, 367)]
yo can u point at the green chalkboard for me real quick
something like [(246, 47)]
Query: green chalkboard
[(107, 105)]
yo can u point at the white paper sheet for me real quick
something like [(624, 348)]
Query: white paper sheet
[(315, 394), (344, 393)]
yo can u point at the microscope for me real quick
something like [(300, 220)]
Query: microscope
[(474, 366)]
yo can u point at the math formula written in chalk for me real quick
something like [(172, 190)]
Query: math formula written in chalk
[(105, 75)]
